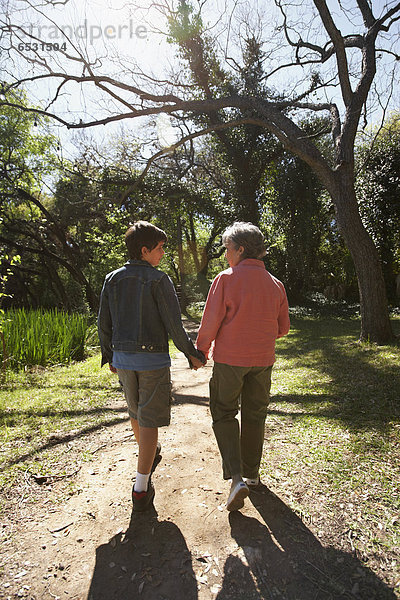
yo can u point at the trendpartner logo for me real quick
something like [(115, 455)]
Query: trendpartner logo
[(88, 32)]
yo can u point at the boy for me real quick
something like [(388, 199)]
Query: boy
[(138, 309)]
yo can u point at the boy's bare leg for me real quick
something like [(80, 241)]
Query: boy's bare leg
[(135, 429), (147, 438)]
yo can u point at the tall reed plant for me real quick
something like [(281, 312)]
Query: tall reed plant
[(42, 337)]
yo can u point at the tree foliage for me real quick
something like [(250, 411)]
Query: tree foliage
[(378, 193), (328, 67)]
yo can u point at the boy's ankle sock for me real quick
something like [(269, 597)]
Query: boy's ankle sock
[(142, 482)]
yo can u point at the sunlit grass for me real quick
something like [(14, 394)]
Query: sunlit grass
[(40, 408), (333, 431)]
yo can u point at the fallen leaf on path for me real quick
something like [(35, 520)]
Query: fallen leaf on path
[(215, 588), (141, 586)]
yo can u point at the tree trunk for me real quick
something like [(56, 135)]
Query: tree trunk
[(57, 285), (375, 322), (248, 209), (91, 298), (181, 267)]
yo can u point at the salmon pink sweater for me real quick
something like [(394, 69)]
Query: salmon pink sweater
[(246, 310)]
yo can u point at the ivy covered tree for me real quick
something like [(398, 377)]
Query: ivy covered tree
[(240, 152), (378, 193)]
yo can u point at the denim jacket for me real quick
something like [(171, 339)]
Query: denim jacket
[(138, 309)]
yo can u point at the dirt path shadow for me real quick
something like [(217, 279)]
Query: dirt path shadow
[(286, 560), (151, 560)]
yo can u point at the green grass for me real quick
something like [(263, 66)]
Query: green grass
[(40, 410), (42, 337), (333, 434)]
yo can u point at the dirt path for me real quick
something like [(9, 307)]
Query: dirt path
[(93, 548)]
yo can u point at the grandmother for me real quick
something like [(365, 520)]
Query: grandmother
[(245, 312)]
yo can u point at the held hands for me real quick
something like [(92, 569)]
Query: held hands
[(196, 363)]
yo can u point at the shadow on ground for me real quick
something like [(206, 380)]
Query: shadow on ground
[(56, 440), (189, 399), (287, 561), (149, 561), (13, 417), (278, 558)]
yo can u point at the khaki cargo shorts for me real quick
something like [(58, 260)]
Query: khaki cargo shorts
[(148, 395)]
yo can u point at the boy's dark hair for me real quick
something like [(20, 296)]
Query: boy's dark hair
[(142, 234)]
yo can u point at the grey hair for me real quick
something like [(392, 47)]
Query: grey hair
[(248, 236)]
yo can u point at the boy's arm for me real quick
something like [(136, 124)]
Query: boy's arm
[(168, 305), (213, 315), (104, 327)]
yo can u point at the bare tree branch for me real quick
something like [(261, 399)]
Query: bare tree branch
[(379, 25), (338, 42), (366, 12)]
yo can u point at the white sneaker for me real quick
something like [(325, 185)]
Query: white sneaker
[(237, 496), (252, 482)]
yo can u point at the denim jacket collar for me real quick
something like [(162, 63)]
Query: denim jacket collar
[(140, 262)]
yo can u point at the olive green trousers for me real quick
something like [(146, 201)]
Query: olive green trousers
[(245, 388)]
